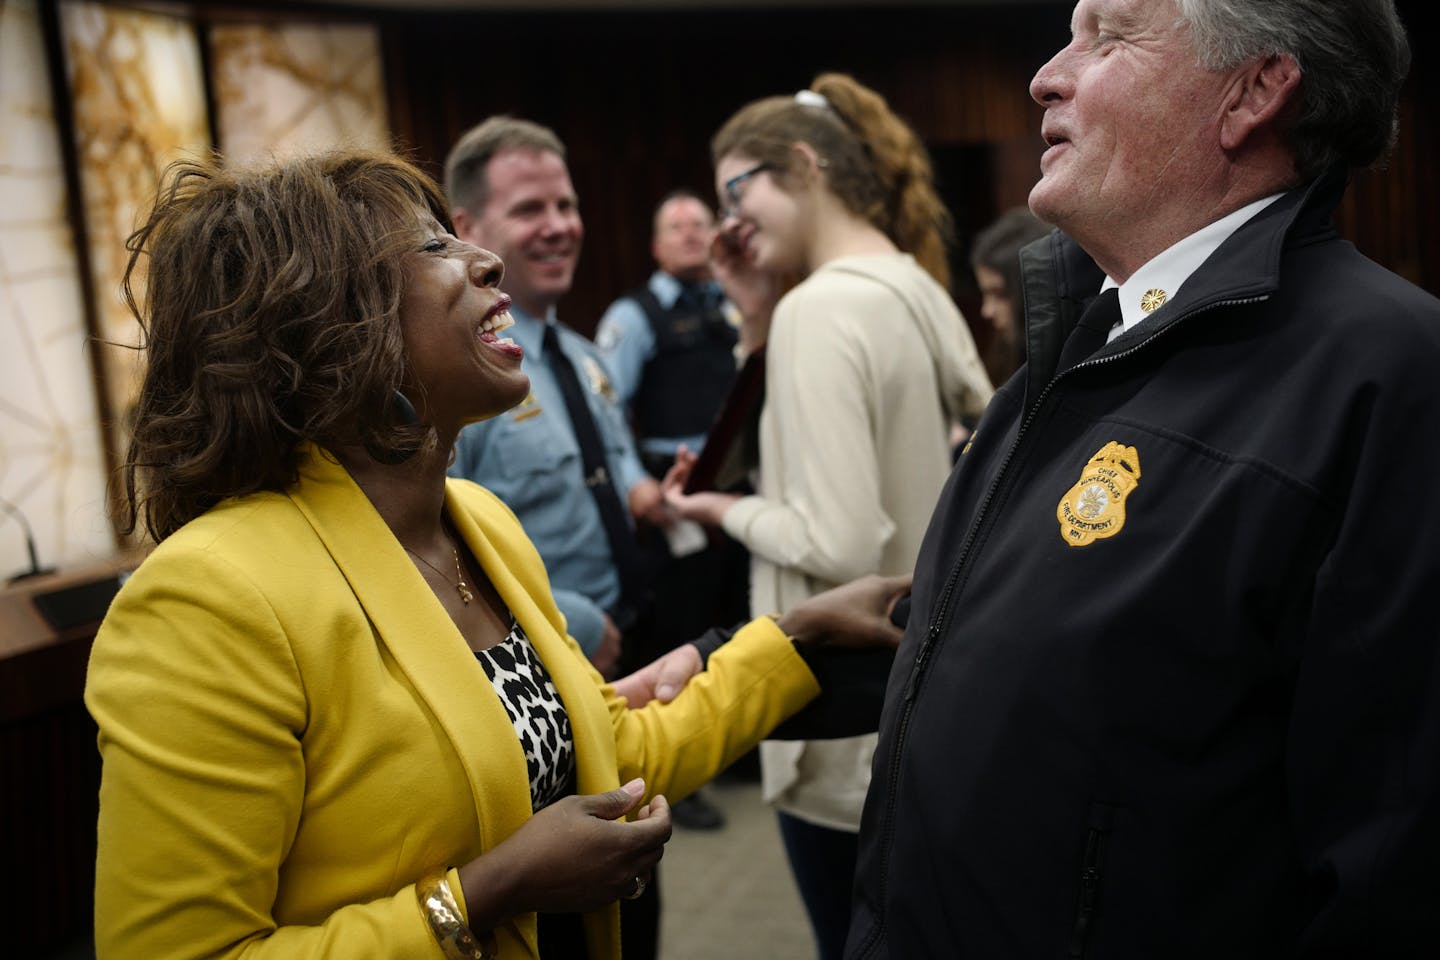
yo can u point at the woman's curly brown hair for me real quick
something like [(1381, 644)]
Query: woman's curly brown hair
[(270, 317)]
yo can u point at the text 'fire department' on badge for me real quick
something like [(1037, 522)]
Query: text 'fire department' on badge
[(1094, 508)]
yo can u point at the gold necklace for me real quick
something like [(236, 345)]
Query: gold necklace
[(461, 587)]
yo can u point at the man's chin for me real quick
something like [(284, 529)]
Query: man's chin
[(694, 272), (1044, 200)]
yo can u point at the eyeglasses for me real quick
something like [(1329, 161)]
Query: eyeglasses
[(731, 208)]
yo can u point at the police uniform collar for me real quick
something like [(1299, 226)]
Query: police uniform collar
[(667, 287)]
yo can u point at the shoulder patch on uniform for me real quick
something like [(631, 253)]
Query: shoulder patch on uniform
[(1094, 508), (527, 408)]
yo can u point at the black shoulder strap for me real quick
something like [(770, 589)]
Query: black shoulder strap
[(653, 311)]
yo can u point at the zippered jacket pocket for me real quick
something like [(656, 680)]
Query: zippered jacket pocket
[(1092, 871)]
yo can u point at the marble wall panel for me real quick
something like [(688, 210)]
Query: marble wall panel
[(282, 89), (138, 100), (138, 94), (51, 462)]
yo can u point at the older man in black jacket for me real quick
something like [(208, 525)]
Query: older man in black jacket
[(1171, 684)]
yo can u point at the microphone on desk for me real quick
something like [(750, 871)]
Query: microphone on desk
[(35, 569)]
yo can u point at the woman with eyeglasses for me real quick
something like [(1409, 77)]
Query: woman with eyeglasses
[(868, 364)]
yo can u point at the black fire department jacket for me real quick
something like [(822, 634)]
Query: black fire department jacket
[(1171, 682)]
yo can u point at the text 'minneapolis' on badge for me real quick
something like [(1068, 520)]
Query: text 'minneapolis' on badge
[(1094, 508)]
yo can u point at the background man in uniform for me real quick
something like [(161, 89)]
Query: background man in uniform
[(671, 348), (1171, 684), (563, 460), (671, 344)]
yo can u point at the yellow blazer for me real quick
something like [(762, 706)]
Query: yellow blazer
[(294, 732)]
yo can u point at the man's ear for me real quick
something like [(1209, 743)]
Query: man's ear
[(463, 222), (1260, 93)]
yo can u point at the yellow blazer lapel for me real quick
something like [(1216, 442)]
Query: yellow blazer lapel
[(518, 574), (423, 640)]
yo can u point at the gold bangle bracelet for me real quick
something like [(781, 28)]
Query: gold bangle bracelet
[(456, 939)]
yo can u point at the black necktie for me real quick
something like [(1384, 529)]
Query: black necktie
[(1093, 330), (597, 474)]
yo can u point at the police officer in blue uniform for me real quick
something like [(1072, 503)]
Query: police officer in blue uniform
[(671, 343), (510, 192)]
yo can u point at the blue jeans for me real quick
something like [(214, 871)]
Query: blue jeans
[(823, 862)]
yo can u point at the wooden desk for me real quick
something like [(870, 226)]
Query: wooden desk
[(49, 768), (41, 666)]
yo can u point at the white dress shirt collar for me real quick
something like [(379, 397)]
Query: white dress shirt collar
[(1161, 277)]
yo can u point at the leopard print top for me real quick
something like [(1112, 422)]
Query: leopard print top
[(525, 688)]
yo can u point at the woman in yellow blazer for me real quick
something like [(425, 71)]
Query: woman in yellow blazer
[(304, 752)]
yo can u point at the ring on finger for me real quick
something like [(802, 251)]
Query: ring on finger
[(640, 886)]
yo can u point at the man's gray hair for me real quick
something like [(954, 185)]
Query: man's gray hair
[(1353, 56), (466, 184)]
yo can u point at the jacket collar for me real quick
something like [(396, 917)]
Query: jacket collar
[(412, 626), (1060, 279)]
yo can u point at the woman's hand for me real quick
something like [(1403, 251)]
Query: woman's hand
[(575, 855), (708, 508), (679, 473), (662, 678), (647, 502), (854, 615), (753, 291)]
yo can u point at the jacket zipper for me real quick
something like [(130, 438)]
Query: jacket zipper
[(942, 613), (1090, 873)]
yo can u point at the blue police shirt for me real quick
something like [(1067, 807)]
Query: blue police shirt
[(627, 343), (529, 458)]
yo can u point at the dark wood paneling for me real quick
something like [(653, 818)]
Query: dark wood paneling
[(1391, 214), (637, 95)]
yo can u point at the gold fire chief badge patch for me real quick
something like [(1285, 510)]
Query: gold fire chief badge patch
[(1094, 508)]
